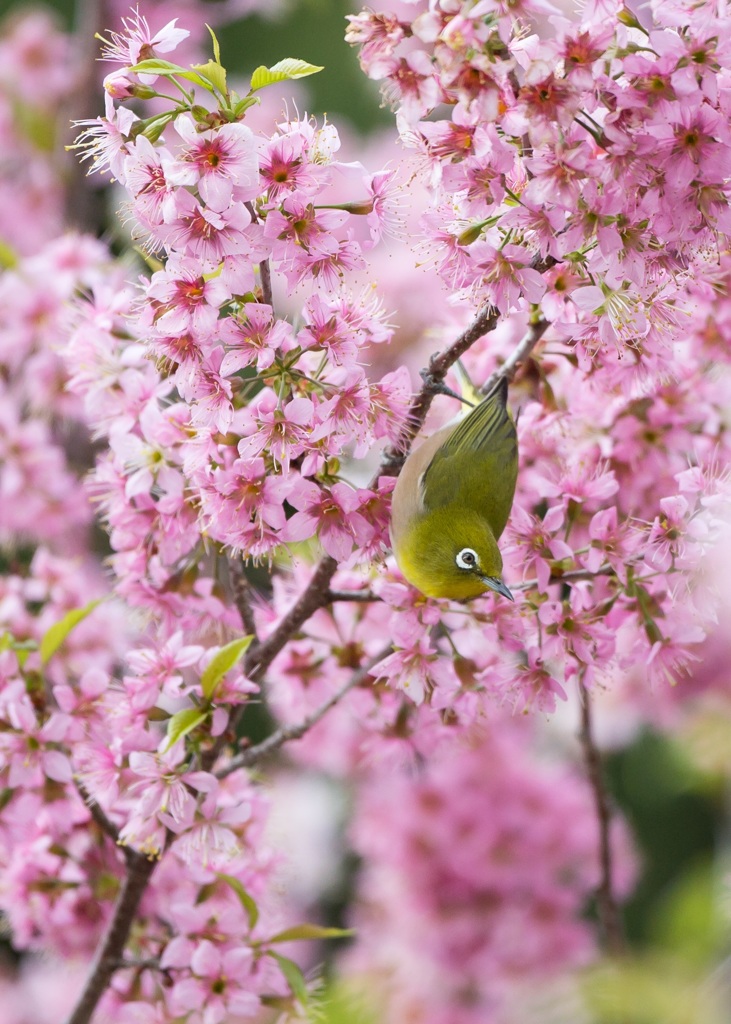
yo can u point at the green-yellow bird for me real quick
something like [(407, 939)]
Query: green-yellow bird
[(452, 501)]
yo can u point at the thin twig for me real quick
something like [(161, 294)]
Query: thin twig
[(295, 732), (260, 656), (568, 577), (265, 273), (84, 206), (242, 596), (313, 597), (606, 902), (572, 576), (519, 355), (148, 964), (363, 596), (105, 824), (439, 365), (109, 953)]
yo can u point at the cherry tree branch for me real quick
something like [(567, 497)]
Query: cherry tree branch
[(313, 597), (105, 824), (518, 356), (261, 654), (294, 732), (265, 272), (110, 950), (439, 366), (572, 576), (606, 901), (242, 596), (317, 593), (361, 596), (265, 275)]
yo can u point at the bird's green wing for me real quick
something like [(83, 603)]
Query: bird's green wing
[(477, 466)]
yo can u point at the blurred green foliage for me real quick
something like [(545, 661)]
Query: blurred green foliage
[(674, 814)]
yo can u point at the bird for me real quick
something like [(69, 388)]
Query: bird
[(452, 501)]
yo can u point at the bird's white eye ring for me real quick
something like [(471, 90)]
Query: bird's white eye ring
[(467, 559)]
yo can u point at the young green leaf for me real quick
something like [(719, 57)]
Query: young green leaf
[(247, 900), (164, 67), (244, 104), (294, 976), (55, 636), (155, 126), (310, 931), (157, 66), (221, 663), (283, 71), (216, 47), (182, 723), (213, 73)]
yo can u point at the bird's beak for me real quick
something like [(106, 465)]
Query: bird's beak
[(496, 584)]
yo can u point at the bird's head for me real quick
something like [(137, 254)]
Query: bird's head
[(452, 556)]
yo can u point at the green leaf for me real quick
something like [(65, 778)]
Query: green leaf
[(213, 73), (55, 636), (216, 47), (155, 66), (283, 71), (8, 256), (247, 900), (310, 931), (182, 723), (152, 127), (294, 976), (36, 125), (244, 104), (222, 663)]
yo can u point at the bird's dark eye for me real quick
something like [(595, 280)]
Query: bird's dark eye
[(467, 559)]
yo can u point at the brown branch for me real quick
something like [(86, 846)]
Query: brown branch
[(105, 824), (265, 272), (242, 596), (568, 577), (316, 595), (84, 207), (313, 597), (519, 355), (266, 283), (362, 596), (294, 732), (260, 655), (109, 952), (607, 907), (439, 365)]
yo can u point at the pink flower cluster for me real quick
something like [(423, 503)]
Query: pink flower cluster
[(244, 409), (476, 870), (44, 446), (72, 731), (33, 113), (577, 176), (591, 142)]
